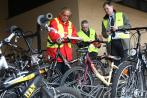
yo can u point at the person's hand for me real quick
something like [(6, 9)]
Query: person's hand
[(99, 37), (97, 44), (59, 40), (114, 28), (109, 32)]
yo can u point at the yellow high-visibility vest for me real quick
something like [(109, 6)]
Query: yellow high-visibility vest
[(85, 38), (118, 22), (61, 33)]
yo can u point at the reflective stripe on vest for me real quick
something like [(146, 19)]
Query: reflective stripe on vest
[(85, 38), (61, 33), (120, 35), (118, 22)]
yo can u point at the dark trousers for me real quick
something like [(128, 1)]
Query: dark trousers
[(117, 50), (93, 55), (62, 67)]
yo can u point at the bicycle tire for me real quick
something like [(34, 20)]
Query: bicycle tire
[(67, 92), (54, 76), (99, 66), (73, 76), (9, 94), (43, 92), (123, 85)]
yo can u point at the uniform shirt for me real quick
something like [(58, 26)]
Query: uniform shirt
[(84, 44), (65, 50), (125, 21)]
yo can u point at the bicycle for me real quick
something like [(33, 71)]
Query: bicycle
[(129, 81), (36, 86), (54, 71), (14, 87), (82, 77)]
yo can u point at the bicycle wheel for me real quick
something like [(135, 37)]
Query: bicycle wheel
[(9, 94), (99, 66), (67, 92), (74, 77), (43, 92), (54, 76), (128, 83)]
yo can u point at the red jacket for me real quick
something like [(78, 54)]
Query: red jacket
[(66, 51)]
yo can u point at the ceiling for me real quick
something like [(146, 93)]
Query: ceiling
[(137, 4), (16, 7)]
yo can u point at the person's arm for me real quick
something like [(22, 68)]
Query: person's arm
[(74, 34), (82, 44), (98, 37), (105, 32), (126, 22), (52, 34)]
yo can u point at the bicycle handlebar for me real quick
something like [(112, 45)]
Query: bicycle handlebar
[(8, 39), (129, 29), (100, 41), (15, 31)]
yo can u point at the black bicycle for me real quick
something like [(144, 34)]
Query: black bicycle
[(129, 80), (29, 84)]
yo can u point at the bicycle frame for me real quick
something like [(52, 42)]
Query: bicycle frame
[(105, 79), (3, 62), (61, 56), (34, 76), (135, 85)]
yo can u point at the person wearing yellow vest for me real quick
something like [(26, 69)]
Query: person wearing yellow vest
[(64, 28), (88, 34), (118, 41)]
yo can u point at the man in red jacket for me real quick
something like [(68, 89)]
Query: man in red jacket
[(64, 28)]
